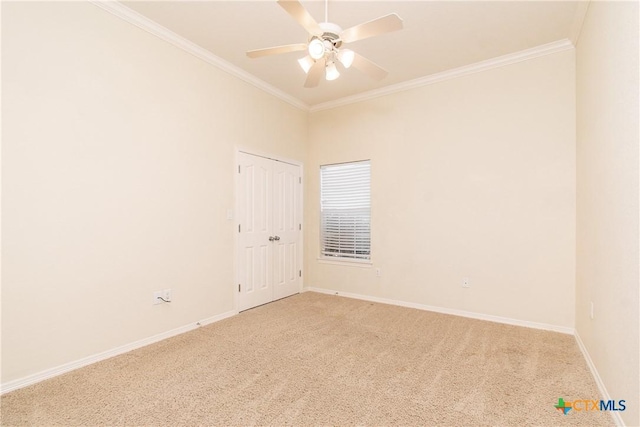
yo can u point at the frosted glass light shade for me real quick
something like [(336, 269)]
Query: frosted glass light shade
[(346, 57), (332, 72), (316, 49), (306, 63)]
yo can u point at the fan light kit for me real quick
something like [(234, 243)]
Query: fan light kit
[(324, 47)]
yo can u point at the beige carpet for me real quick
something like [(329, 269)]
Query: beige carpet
[(315, 359)]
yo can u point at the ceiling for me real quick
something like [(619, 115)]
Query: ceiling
[(437, 36)]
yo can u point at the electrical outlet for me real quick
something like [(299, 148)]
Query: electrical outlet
[(156, 297), (159, 296), (465, 283), (378, 272)]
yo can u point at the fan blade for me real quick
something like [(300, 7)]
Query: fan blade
[(300, 14), (384, 24), (370, 68), (276, 50), (315, 73)]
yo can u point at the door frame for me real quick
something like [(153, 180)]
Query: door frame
[(236, 220)]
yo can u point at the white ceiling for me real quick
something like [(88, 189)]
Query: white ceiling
[(437, 36)]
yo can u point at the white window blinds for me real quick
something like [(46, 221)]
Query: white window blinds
[(345, 209)]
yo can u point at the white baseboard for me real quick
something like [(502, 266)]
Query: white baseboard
[(596, 376), (462, 313), (67, 367)]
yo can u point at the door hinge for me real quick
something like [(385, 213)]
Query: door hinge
[(299, 180), (238, 287), (300, 273), (238, 168), (300, 227), (238, 228)]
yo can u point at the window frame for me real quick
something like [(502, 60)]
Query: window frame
[(339, 259)]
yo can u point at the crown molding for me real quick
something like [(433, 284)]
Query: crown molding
[(512, 58), (142, 22), (578, 21)]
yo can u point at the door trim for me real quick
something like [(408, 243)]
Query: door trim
[(236, 221)]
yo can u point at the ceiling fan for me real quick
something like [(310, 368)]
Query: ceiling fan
[(324, 47)]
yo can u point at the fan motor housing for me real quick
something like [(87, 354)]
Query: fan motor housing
[(331, 33)]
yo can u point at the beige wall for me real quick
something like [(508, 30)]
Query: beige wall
[(608, 257), (118, 154), (471, 177)]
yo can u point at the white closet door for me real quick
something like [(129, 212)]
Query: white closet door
[(286, 228), (269, 241), (255, 255)]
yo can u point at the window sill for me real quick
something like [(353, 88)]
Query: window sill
[(346, 262)]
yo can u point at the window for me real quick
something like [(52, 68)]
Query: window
[(345, 211)]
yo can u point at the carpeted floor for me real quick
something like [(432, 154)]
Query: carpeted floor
[(315, 359)]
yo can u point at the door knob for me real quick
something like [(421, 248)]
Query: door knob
[(276, 238), (271, 238)]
